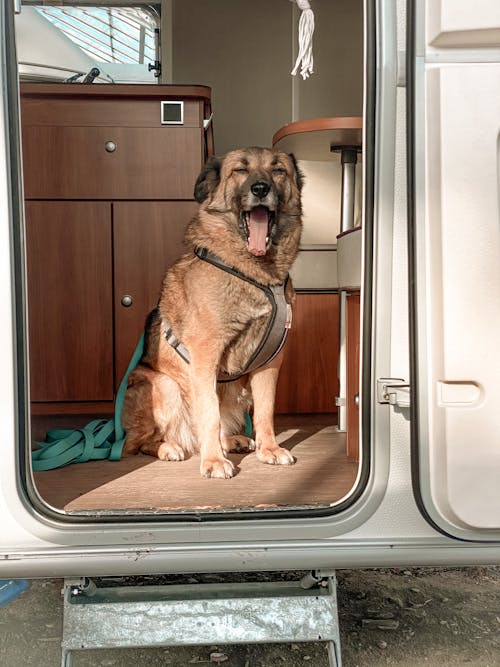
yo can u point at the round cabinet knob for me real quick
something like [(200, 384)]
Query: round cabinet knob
[(110, 146), (126, 300)]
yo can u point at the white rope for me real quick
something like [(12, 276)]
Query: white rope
[(306, 30)]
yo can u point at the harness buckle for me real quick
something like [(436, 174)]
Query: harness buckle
[(171, 339)]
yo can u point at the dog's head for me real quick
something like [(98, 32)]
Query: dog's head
[(257, 190)]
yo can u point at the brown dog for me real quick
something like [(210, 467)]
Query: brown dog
[(249, 220)]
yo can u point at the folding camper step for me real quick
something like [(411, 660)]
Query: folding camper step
[(200, 614)]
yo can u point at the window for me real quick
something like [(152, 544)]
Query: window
[(108, 34), (110, 44)]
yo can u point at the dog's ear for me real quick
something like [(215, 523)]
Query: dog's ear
[(299, 176), (208, 180)]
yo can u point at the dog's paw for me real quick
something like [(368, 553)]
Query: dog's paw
[(275, 456), (238, 443), (218, 468), (168, 451)]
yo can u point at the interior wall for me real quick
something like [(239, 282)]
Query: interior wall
[(244, 50), (336, 87)]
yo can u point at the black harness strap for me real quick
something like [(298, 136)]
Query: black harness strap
[(276, 331)]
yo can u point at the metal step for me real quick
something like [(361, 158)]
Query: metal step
[(200, 614)]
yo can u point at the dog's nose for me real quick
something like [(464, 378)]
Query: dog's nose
[(260, 189)]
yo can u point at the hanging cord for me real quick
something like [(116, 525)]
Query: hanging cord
[(306, 31)]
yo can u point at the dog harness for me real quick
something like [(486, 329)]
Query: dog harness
[(276, 331)]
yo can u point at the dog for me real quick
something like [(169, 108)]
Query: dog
[(212, 315)]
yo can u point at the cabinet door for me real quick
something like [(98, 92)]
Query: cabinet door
[(308, 379), (69, 301), (148, 238)]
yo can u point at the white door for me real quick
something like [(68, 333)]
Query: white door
[(455, 228)]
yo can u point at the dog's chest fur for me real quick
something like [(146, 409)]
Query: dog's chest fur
[(203, 298)]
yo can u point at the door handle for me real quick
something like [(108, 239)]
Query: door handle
[(126, 301)]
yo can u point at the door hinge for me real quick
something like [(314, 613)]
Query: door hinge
[(394, 391)]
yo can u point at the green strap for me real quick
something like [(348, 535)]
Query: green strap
[(248, 425), (99, 439)]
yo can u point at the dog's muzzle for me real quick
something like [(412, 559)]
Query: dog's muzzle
[(259, 216), (258, 223)]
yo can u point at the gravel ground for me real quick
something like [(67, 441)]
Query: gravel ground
[(410, 618)]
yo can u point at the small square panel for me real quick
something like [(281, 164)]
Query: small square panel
[(172, 113)]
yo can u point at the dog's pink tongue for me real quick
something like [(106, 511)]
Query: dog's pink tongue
[(257, 227)]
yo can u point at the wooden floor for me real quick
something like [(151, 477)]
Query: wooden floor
[(321, 475)]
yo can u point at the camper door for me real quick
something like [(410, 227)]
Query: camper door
[(454, 162)]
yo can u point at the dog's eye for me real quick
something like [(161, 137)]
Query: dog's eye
[(278, 171), (241, 170)]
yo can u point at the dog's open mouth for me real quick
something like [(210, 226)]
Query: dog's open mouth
[(258, 223)]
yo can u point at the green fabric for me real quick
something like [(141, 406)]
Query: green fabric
[(248, 425), (99, 439)]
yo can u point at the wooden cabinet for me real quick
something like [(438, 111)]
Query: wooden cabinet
[(109, 192), (147, 237), (308, 381)]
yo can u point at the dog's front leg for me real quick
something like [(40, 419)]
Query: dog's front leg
[(263, 383), (206, 410)]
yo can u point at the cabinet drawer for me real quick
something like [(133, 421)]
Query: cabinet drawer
[(80, 162), (77, 112)]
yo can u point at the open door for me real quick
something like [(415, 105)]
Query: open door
[(454, 197)]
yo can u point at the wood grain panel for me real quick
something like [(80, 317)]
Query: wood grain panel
[(69, 301), (123, 91), (352, 388), (148, 238), (148, 163), (342, 123), (53, 409), (308, 379), (313, 139), (75, 111)]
